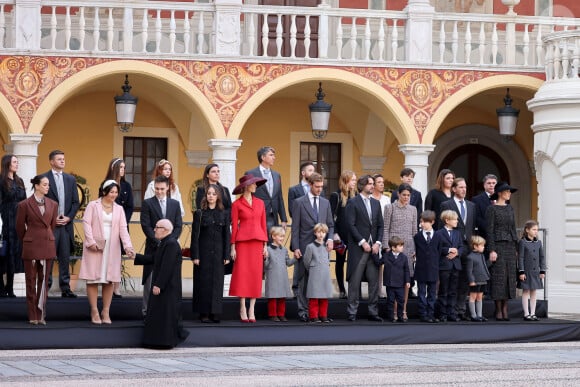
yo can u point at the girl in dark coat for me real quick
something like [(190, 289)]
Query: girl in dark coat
[(12, 192), (210, 251), (531, 268)]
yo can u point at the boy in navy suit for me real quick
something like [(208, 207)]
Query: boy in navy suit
[(426, 267), (396, 277), (449, 243)]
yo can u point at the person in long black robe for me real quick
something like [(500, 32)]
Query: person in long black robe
[(163, 325)]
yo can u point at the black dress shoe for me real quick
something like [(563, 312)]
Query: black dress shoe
[(375, 318), (351, 317), (443, 319), (342, 296), (3, 294), (465, 317), (68, 294), (303, 319), (475, 319), (427, 320), (326, 320), (11, 295), (315, 320)]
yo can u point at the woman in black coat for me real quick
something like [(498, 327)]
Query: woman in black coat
[(338, 200), (441, 193), (12, 192), (210, 252), (502, 241)]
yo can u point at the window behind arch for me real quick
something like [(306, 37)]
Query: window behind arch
[(141, 155)]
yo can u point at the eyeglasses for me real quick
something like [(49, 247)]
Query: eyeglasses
[(156, 227)]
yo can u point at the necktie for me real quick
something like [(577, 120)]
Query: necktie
[(269, 183), (462, 209), (315, 206), (368, 206), (428, 236), (60, 191), (163, 207)]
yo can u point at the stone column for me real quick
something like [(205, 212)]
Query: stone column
[(27, 24), (25, 147), (417, 158), (419, 31), (224, 154), (227, 36), (556, 130)]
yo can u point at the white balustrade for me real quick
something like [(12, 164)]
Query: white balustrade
[(343, 36)]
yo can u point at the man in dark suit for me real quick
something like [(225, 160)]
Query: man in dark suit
[(407, 177), (309, 209), (466, 227), (271, 192), (482, 201), (295, 192), (365, 225), (63, 190), (303, 187), (152, 210)]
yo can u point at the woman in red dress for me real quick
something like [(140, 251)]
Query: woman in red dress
[(249, 240)]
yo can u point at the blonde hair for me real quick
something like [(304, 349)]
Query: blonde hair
[(320, 227), (343, 182), (277, 230), (448, 215), (476, 240)]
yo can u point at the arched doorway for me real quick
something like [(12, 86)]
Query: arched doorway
[(473, 162)]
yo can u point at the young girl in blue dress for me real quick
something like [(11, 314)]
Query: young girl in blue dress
[(531, 268)]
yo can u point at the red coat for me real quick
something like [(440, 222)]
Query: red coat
[(36, 230), (249, 222)]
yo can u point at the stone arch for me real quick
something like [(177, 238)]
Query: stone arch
[(381, 101), (525, 82), (517, 163), (13, 123), (69, 87)]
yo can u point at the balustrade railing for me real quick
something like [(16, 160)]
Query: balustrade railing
[(562, 55), (321, 34)]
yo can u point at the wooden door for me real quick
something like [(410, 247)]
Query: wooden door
[(473, 162)]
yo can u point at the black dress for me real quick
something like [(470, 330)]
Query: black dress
[(163, 325), (11, 263), (502, 238), (433, 202), (210, 243)]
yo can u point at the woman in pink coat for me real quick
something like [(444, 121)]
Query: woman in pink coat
[(105, 227)]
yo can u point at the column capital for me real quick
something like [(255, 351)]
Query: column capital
[(25, 147), (417, 158), (224, 144), (225, 155)]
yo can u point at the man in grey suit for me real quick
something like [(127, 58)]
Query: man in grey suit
[(152, 210), (296, 191), (271, 192), (63, 190), (365, 226), (309, 210), (466, 212)]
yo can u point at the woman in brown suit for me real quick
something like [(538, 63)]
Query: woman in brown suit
[(35, 223)]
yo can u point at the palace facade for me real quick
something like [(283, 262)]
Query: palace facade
[(413, 83)]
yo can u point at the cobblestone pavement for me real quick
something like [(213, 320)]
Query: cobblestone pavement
[(474, 365)]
